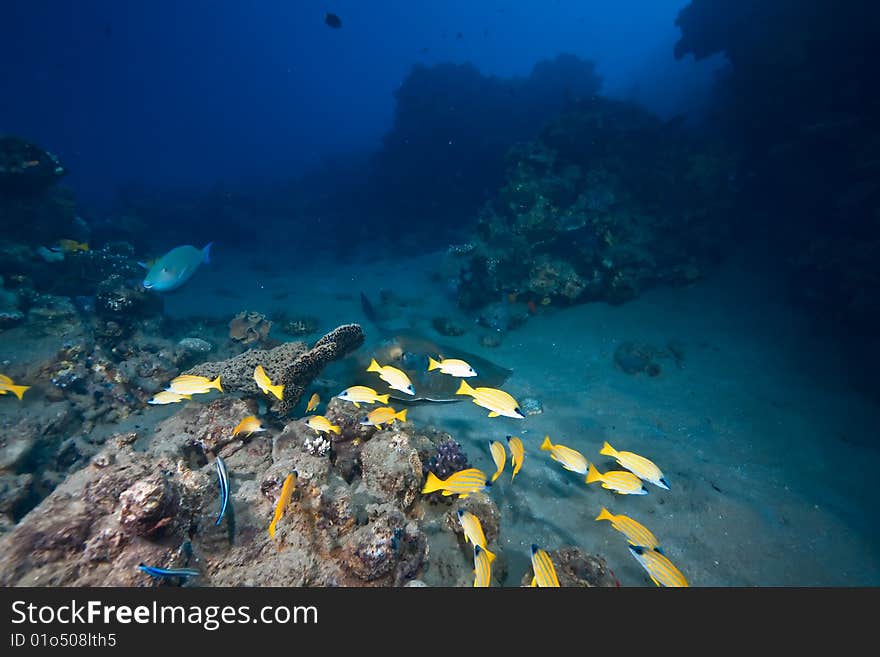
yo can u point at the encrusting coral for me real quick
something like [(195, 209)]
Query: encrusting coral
[(291, 364)]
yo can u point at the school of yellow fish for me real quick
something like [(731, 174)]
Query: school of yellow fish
[(643, 545)]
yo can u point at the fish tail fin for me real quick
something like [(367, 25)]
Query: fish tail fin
[(433, 364), (546, 444), (374, 366), (383, 398), (608, 450), (432, 483), (206, 253), (593, 474), (401, 415), (604, 515), (335, 429), (18, 391), (491, 555), (464, 389), (277, 390), (216, 384)]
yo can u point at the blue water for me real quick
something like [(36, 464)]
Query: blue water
[(656, 214)]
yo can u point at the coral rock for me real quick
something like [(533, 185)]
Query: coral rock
[(291, 364), (249, 327), (391, 468), (147, 506)]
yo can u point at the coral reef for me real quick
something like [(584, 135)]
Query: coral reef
[(249, 327), (448, 458), (291, 364), (153, 499), (800, 100), (604, 203), (26, 168)]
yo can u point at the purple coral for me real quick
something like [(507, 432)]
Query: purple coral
[(450, 458)]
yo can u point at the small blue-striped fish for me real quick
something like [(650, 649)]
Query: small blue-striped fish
[(636, 533), (640, 466), (461, 483), (659, 567), (223, 478), (152, 571), (499, 455), (545, 573), (482, 567)]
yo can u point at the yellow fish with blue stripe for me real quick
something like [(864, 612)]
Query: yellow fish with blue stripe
[(496, 401), (545, 573), (635, 532), (640, 466), (322, 425), (568, 458), (358, 395), (659, 567), (473, 531), (7, 385), (395, 378), (167, 397), (517, 454), (283, 500), (191, 384), (482, 568), (461, 483), (620, 481), (264, 383), (499, 456), (314, 400)]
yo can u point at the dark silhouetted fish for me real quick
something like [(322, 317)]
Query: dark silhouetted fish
[(333, 21), (368, 309)]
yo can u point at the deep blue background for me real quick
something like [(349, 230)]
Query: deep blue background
[(191, 92)]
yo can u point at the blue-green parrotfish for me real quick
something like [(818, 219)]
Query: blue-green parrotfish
[(176, 267)]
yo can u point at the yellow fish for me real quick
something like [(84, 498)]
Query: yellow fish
[(322, 425), (497, 401), (384, 415), (499, 456), (545, 573), (473, 531), (452, 367), (264, 383), (167, 397), (620, 481), (659, 567), (461, 483), (640, 466), (635, 532), (69, 246), (569, 458), (395, 378), (248, 425), (7, 385), (283, 500), (482, 567), (189, 384), (314, 400), (358, 395), (517, 454)]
